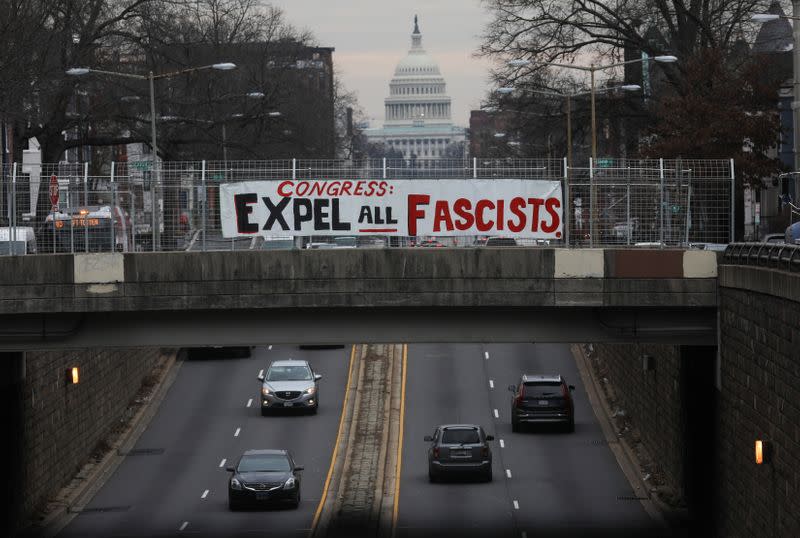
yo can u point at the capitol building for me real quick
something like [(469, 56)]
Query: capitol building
[(418, 120)]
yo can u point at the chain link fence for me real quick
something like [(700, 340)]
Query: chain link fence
[(132, 207)]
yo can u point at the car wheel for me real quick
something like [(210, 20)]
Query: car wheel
[(232, 505), (432, 478), (314, 409), (514, 426), (571, 426), (487, 476), (296, 500), (264, 411)]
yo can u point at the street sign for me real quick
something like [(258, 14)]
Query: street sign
[(54, 192), (604, 162)]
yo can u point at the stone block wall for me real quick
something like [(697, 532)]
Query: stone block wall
[(652, 401), (759, 399), (63, 425)]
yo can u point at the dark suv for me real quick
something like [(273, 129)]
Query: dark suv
[(459, 449), (542, 399)]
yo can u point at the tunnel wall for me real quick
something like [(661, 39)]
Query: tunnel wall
[(699, 414), (63, 425)]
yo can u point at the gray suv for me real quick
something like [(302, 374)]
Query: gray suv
[(459, 449), (289, 384)]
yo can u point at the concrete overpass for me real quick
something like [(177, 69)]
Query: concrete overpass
[(364, 295)]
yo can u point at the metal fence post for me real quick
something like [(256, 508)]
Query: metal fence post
[(732, 207), (205, 202), (85, 204), (113, 208), (661, 203), (688, 209), (629, 229), (12, 209), (591, 203), (566, 204), (384, 168), (294, 168), (474, 167)]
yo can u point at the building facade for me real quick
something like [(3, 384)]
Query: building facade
[(418, 112)]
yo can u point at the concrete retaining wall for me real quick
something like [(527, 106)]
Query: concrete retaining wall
[(760, 399), (63, 425)]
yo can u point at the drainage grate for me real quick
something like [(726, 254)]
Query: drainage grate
[(631, 498), (103, 509), (143, 452)]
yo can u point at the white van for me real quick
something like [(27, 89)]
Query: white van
[(24, 240)]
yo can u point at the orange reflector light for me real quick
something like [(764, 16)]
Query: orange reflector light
[(763, 452), (74, 376)]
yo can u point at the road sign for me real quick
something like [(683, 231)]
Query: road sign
[(604, 162), (54, 192)]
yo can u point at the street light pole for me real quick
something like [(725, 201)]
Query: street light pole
[(594, 119)]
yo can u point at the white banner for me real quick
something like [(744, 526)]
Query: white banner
[(446, 207)]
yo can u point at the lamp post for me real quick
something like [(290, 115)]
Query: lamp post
[(151, 78), (592, 69), (568, 97)]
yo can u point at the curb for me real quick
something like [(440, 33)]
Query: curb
[(61, 516), (623, 453)]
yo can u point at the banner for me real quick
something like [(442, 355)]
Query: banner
[(445, 207)]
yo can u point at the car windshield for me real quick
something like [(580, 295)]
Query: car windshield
[(452, 436), (289, 373), (264, 463), (542, 390), (345, 241)]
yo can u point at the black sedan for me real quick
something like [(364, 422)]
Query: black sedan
[(264, 476), (459, 449)]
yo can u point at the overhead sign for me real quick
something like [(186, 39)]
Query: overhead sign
[(54, 192), (445, 207)]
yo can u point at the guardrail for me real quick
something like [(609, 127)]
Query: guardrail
[(778, 255)]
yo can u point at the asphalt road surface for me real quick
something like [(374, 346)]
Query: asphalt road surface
[(179, 487), (546, 483)]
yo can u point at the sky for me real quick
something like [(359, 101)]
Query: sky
[(371, 36)]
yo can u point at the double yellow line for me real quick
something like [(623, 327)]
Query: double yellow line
[(399, 463)]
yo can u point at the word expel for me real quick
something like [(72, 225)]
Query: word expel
[(515, 215), (322, 212)]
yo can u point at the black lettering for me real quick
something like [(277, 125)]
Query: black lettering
[(337, 225), (365, 215), (389, 219), (276, 213), (301, 216), (321, 214), (243, 211)]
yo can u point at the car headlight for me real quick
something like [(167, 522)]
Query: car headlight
[(265, 391), (311, 390), (289, 483), (235, 484)]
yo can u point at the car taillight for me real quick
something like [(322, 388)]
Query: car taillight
[(518, 400), (436, 452)]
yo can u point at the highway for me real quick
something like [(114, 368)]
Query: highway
[(211, 414), (546, 483)]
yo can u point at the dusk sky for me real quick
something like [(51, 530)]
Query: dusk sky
[(371, 36)]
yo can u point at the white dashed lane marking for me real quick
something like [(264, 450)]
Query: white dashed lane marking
[(222, 463), (204, 495), (238, 430), (496, 414), (516, 505), (485, 354), (270, 347), (261, 372), (491, 384), (502, 444), (249, 402), (185, 523), (508, 473)]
